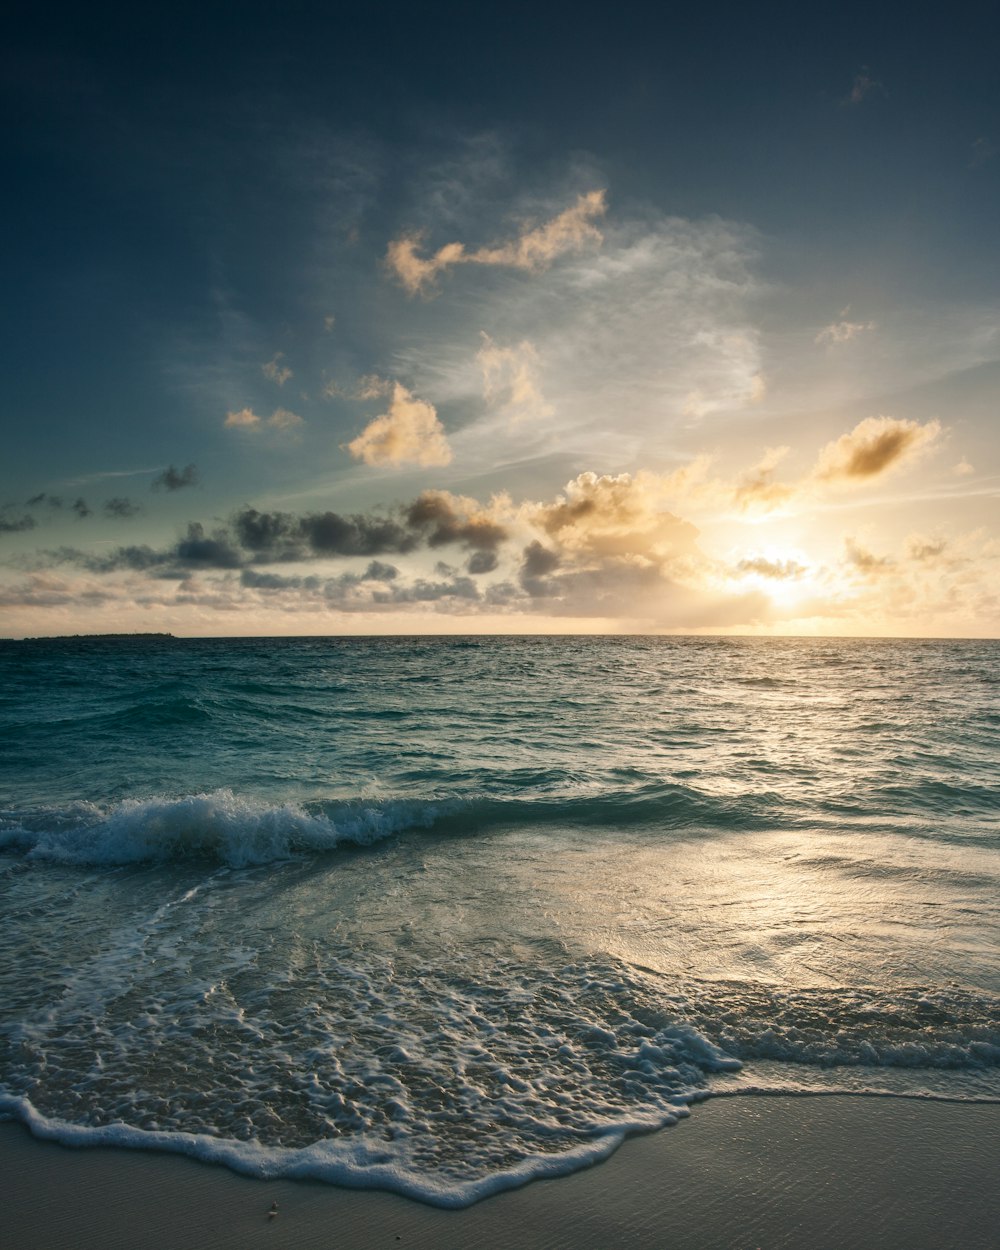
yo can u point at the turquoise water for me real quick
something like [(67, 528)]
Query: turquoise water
[(440, 915)]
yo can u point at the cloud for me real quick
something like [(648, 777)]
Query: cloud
[(482, 562), (756, 489), (81, 508), (270, 536), (121, 508), (371, 386), (862, 87), (53, 501), (842, 331), (408, 433), (281, 419), (621, 515), (275, 371), (780, 570), (510, 380), (538, 562), (176, 479), (963, 468), (444, 518), (873, 448), (213, 550), (864, 561), (920, 548), (331, 588), (425, 591), (534, 249), (16, 525), (245, 418)]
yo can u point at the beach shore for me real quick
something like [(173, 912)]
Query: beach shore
[(837, 1172)]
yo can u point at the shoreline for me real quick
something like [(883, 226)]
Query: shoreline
[(835, 1172)]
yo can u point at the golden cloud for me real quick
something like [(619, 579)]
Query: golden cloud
[(281, 419), (757, 490), (246, 417), (874, 447), (408, 433), (533, 250), (614, 516)]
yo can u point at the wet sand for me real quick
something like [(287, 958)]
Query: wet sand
[(831, 1173)]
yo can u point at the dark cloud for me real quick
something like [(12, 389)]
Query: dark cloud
[(54, 501), (135, 559), (15, 525), (273, 581), (482, 562), (538, 562), (213, 550), (269, 535), (80, 508), (434, 513), (273, 536), (121, 508), (375, 572), (176, 479), (423, 591), (328, 533), (253, 537)]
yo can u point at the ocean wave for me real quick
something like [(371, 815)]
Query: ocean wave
[(220, 827), (237, 830)]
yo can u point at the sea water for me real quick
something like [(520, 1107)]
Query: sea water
[(441, 915)]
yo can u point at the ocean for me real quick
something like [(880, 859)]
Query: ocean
[(441, 915)]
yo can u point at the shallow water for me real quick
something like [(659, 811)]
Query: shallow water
[(443, 914)]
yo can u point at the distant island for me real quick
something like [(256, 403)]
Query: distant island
[(94, 637)]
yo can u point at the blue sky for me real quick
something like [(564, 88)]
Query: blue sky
[(378, 318)]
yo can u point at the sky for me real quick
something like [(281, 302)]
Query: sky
[(441, 318)]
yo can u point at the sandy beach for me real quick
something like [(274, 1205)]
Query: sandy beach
[(836, 1172)]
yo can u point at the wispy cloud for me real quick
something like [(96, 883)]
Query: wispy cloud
[(371, 386), (281, 419), (533, 249), (409, 432), (863, 86), (275, 370), (843, 331), (510, 380)]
